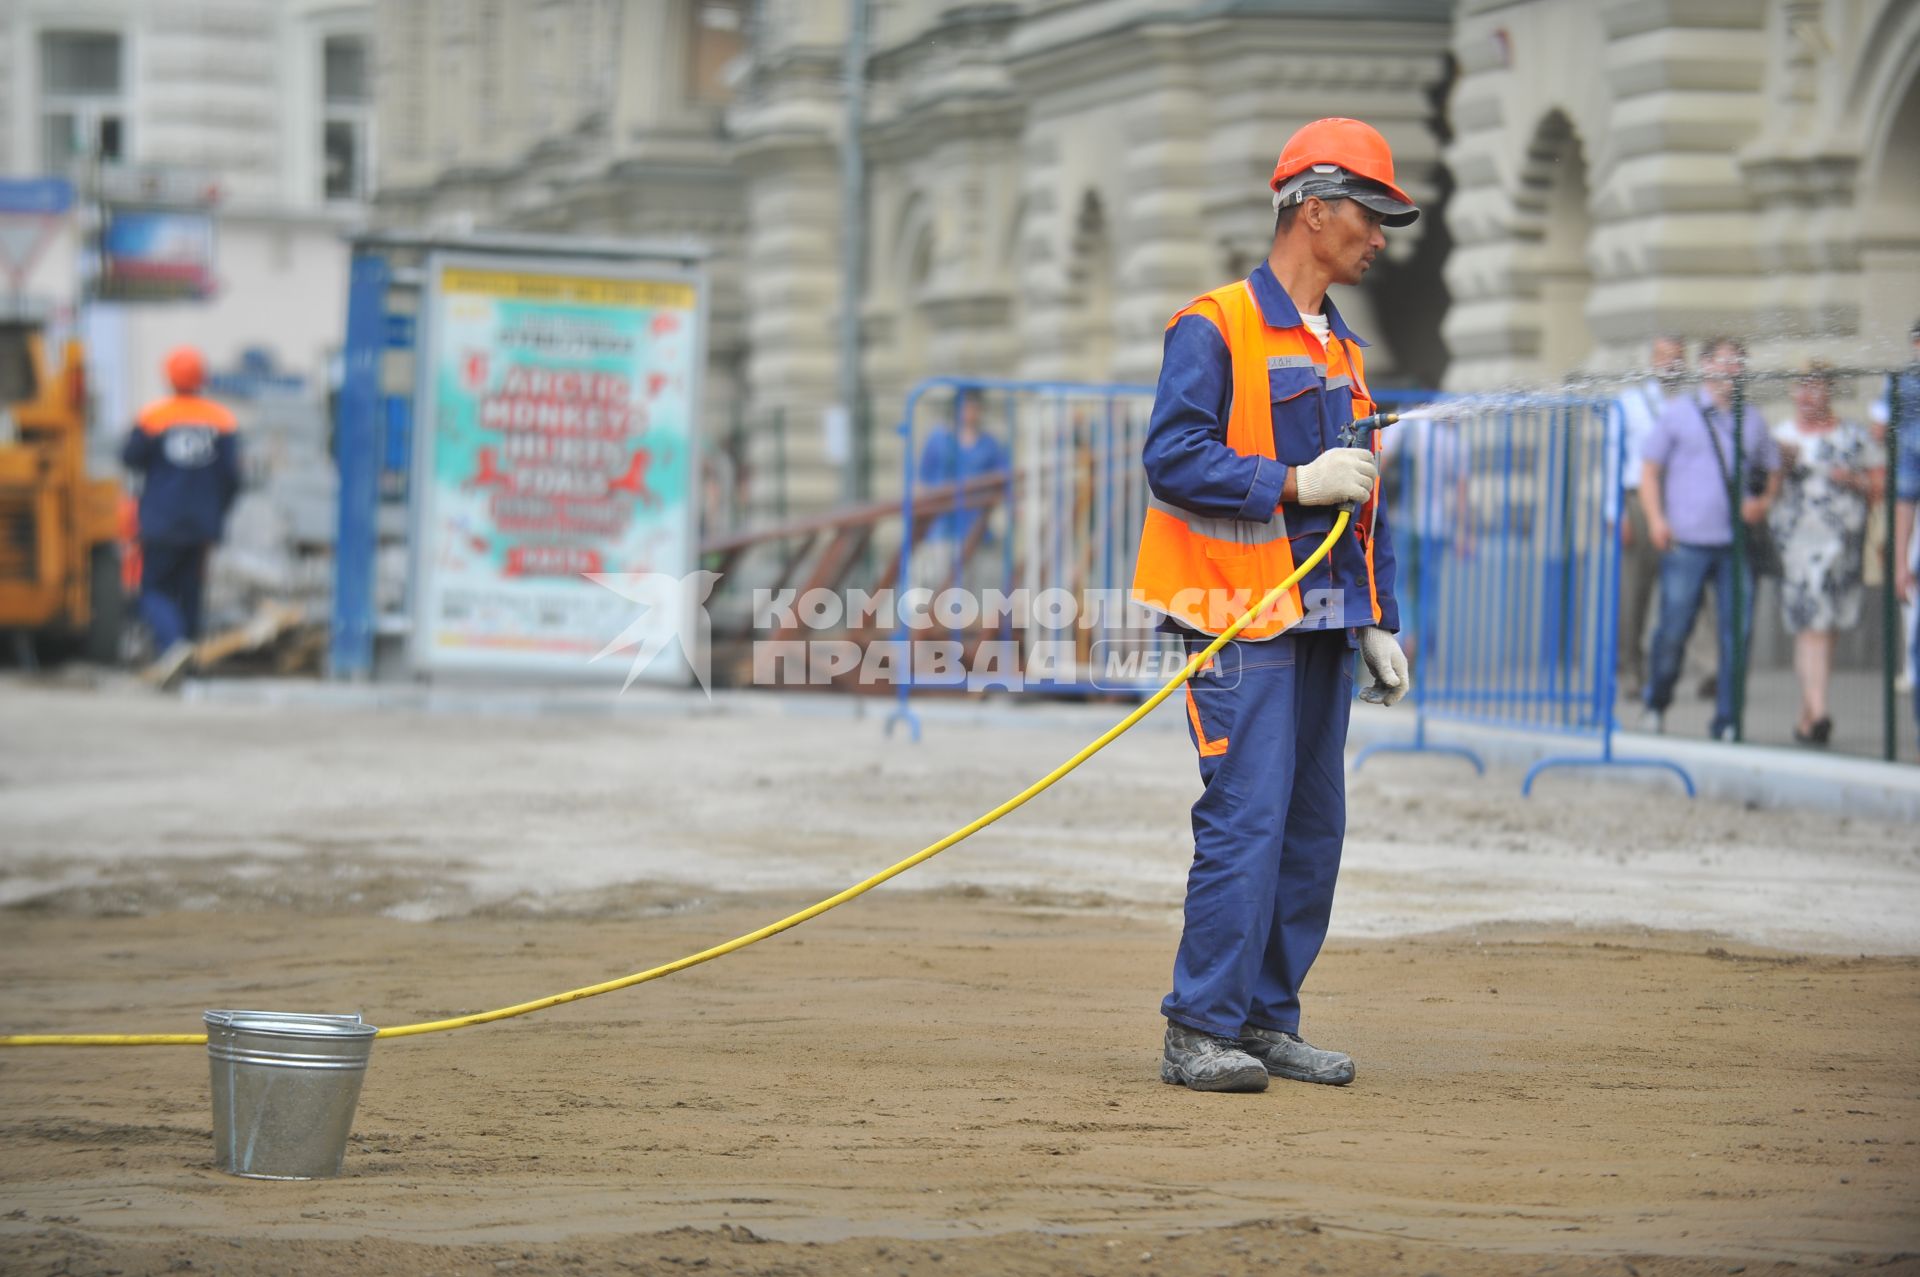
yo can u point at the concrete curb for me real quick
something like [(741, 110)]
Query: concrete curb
[(1756, 775)]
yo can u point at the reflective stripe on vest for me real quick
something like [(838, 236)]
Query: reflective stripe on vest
[(1204, 571)]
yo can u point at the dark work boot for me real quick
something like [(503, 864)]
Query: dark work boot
[(1202, 1062), (1286, 1055)]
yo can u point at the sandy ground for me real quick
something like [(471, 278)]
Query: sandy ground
[(1613, 1032)]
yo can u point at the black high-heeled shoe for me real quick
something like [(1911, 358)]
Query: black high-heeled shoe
[(1823, 731)]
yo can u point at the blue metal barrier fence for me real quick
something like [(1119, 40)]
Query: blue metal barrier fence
[(1505, 530), (1068, 519)]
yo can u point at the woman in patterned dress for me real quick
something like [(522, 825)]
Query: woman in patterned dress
[(1819, 525)]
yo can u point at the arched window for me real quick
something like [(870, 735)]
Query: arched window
[(1552, 209), (1090, 276)]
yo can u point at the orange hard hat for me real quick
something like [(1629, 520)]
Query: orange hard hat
[(186, 370), (1339, 158)]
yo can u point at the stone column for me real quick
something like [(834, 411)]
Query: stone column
[(1159, 230), (1809, 298), (1048, 310), (1676, 243), (787, 129), (791, 287), (969, 307)]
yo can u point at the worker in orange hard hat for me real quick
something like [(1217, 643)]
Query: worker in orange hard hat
[(186, 452), (1338, 158), (1257, 380), (186, 370)]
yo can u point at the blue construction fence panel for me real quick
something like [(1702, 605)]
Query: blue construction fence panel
[(1064, 521), (1505, 515), (1048, 499), (1505, 533), (1503, 512)]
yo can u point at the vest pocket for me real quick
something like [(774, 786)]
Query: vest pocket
[(1296, 414), (1243, 575)]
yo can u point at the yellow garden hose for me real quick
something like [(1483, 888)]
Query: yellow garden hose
[(792, 920)]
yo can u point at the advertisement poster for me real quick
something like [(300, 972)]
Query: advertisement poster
[(559, 406), (156, 255)]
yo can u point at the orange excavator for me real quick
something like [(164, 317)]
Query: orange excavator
[(61, 592)]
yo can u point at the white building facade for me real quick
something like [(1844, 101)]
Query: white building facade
[(582, 117), (1046, 181), (267, 101), (1715, 166)]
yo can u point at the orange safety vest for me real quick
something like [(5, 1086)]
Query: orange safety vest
[(185, 411), (1205, 571), (187, 450)]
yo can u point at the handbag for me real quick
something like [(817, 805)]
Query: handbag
[(1762, 554)]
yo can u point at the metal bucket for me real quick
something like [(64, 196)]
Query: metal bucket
[(284, 1089)]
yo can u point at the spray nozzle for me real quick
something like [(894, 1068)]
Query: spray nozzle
[(1355, 433)]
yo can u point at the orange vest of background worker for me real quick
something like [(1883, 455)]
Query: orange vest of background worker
[(185, 450), (1246, 477)]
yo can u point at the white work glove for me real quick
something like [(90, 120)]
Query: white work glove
[(1337, 476), (1388, 665)]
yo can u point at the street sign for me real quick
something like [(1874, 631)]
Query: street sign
[(36, 196), (30, 212)]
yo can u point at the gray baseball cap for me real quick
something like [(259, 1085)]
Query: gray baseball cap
[(1331, 182)]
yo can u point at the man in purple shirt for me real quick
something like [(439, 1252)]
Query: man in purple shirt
[(1687, 488)]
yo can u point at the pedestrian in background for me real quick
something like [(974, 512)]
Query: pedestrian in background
[(1687, 488), (186, 452), (1830, 473), (1641, 405), (1903, 388), (1906, 496), (950, 553)]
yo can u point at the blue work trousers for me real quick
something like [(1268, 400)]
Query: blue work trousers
[(173, 575), (1270, 722), (1685, 572)]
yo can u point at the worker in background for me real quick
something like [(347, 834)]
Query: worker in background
[(185, 449), (952, 457), (1257, 380)]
